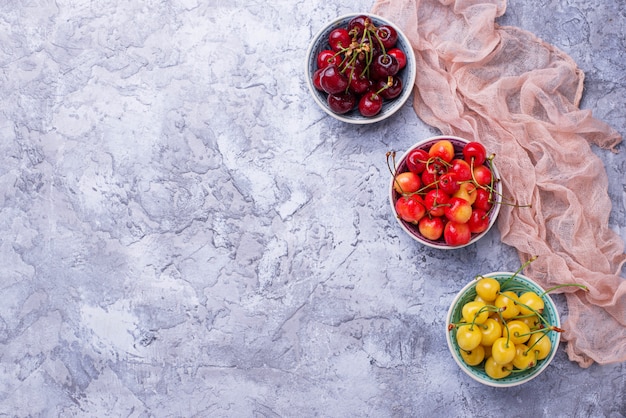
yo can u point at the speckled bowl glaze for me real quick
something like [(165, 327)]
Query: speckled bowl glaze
[(407, 74), (477, 373), (410, 228)]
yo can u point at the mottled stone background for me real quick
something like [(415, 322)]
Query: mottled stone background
[(184, 234)]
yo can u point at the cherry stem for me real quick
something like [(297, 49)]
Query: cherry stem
[(581, 286), (535, 343), (522, 267)]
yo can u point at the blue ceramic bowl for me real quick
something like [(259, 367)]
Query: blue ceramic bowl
[(407, 74), (477, 373), (412, 229)]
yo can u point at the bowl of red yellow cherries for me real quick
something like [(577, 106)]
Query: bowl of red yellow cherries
[(503, 329), (360, 68), (445, 191)]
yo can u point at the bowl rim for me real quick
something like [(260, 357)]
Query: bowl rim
[(494, 382), (400, 100), (419, 238)]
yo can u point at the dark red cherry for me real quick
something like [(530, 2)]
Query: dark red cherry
[(359, 82), (399, 55), (371, 104), (339, 39), (332, 80), (389, 91), (316, 79), (342, 102), (387, 35), (357, 25), (326, 58), (383, 66)]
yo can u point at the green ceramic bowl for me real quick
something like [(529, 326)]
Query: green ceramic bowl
[(477, 373)]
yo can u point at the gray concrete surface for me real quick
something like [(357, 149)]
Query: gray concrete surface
[(185, 235)]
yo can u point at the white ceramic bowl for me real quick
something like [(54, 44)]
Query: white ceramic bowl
[(407, 74), (411, 228), (478, 373)]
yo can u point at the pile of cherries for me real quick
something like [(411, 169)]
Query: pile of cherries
[(360, 66), (448, 196), (502, 330)]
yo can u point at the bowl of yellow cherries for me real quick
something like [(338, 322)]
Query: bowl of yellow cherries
[(503, 329)]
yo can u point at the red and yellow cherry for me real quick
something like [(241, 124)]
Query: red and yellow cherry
[(474, 357), (431, 227), (466, 191), (448, 183), (406, 182), (456, 234), (503, 351), (468, 337), (516, 331), (416, 160), (458, 210), (410, 208), (539, 344), (474, 153), (496, 370), (478, 221), (430, 175), (462, 169), (488, 288), (442, 149), (483, 199), (482, 175), (436, 201)]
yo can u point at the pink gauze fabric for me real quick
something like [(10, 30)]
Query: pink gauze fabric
[(519, 96)]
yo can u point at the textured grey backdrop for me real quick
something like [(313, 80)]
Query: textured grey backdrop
[(185, 234)]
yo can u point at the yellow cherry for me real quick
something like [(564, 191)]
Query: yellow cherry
[(491, 330), (517, 331), (474, 311), (473, 357), (496, 370), (506, 301), (539, 343), (468, 337), (524, 359), (487, 288), (503, 351), (530, 303)]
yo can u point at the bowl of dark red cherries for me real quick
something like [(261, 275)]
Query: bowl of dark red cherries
[(360, 68)]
